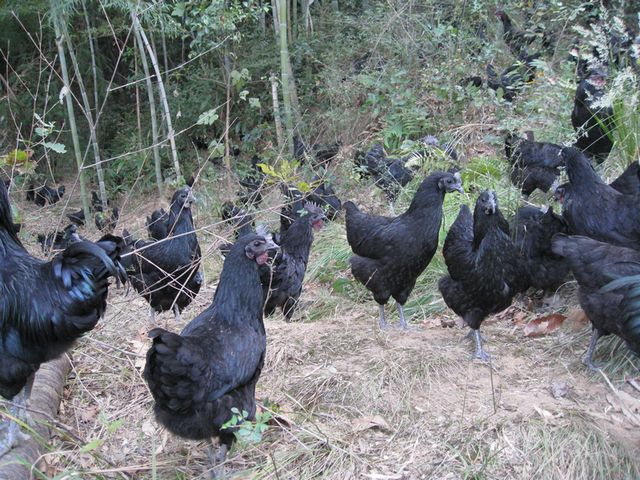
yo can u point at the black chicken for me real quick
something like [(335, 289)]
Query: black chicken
[(594, 264), (167, 273), (48, 195), (593, 124), (59, 240), (45, 307), (253, 182), (106, 223), (534, 228), (390, 174), (517, 40), (77, 218), (390, 253), (320, 155), (513, 78), (595, 209), (157, 224), (322, 195), (197, 377), (283, 283), (239, 219), (485, 269), (533, 164), (628, 182)]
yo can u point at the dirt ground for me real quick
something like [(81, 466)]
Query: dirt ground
[(350, 401)]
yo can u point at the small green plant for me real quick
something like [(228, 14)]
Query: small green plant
[(245, 430)]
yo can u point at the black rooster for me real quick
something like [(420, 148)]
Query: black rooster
[(534, 228), (594, 264), (613, 218), (46, 306), (485, 269), (283, 283), (197, 377), (390, 253), (593, 123), (47, 195), (167, 273), (534, 165)]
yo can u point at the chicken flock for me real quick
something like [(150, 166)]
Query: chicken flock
[(196, 377)]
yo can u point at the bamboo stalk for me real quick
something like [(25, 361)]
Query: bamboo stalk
[(276, 110), (70, 112), (93, 139), (286, 83), (161, 92), (152, 108)]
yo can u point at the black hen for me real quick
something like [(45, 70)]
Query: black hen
[(628, 182), (197, 378), (594, 264), (390, 174), (534, 228), (158, 224), (517, 40), (322, 195), (283, 283), (253, 183), (485, 269), (167, 273), (533, 164), (106, 223), (593, 123), (595, 209), (46, 306), (59, 240), (390, 253), (77, 218), (47, 195)]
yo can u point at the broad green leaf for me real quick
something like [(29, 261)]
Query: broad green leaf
[(56, 147), (254, 102), (92, 445), (208, 117)]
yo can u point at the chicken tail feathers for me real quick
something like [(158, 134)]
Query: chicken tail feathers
[(173, 368), (82, 263), (630, 306)]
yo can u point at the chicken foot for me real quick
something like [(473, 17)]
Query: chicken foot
[(381, 321), (480, 354), (10, 433), (216, 457), (588, 357), (403, 322), (176, 311)]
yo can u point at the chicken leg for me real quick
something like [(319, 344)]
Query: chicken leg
[(10, 434), (216, 457), (381, 321), (403, 322), (176, 311), (588, 357), (480, 354)]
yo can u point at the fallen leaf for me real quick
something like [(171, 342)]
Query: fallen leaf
[(148, 428), (543, 325), (576, 320), (371, 422), (90, 414), (559, 388), (518, 318)]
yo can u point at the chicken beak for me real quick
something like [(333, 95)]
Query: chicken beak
[(460, 189), (271, 245)]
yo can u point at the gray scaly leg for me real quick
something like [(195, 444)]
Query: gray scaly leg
[(588, 357), (382, 322), (176, 311), (480, 353), (216, 457), (403, 322), (10, 434)]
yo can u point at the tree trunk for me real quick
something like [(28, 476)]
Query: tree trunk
[(70, 113), (334, 6), (46, 395), (306, 14), (165, 58), (93, 139), (162, 92), (286, 84), (152, 109), (276, 111), (262, 19)]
